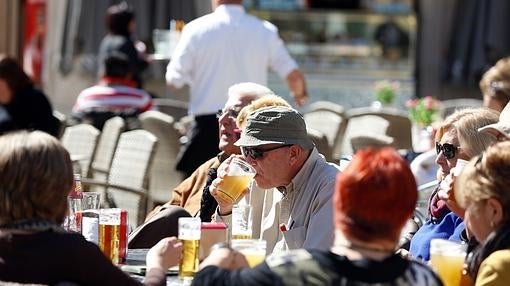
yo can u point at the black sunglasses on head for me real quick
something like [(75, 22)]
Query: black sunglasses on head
[(256, 153), (448, 149)]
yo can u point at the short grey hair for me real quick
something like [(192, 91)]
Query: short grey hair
[(252, 89)]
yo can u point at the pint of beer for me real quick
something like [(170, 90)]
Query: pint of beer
[(113, 234), (237, 180), (189, 235)]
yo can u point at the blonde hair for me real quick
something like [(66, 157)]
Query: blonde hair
[(496, 81), (35, 177), (486, 176), (269, 100), (465, 122)]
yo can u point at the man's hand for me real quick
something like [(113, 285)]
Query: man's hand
[(225, 258), (165, 254)]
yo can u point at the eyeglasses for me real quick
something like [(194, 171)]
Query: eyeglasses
[(257, 153), (448, 149), (232, 113)]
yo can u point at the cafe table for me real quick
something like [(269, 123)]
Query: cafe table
[(135, 267)]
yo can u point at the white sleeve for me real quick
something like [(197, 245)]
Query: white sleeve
[(180, 67), (280, 60)]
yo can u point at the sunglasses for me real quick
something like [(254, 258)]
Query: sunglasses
[(257, 153), (448, 150), (232, 113)]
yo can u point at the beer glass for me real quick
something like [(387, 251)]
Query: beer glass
[(113, 234), (90, 216), (241, 222), (236, 181), (189, 235), (253, 249), (447, 259)]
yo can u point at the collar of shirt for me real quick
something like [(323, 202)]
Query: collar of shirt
[(230, 9)]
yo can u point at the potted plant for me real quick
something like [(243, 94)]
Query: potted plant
[(386, 91), (423, 112)]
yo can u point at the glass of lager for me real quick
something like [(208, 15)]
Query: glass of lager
[(253, 249), (447, 259), (238, 178), (189, 234), (241, 221)]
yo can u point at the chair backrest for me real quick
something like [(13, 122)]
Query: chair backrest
[(378, 121), (62, 119), (321, 143), (130, 169), (163, 176), (81, 141), (449, 106), (172, 107), (330, 119), (106, 145)]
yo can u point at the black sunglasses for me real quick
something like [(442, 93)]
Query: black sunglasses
[(232, 113), (448, 149), (257, 153)]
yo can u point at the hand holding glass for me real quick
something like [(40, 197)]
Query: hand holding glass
[(237, 179)]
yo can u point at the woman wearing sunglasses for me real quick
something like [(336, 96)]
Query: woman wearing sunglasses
[(457, 138)]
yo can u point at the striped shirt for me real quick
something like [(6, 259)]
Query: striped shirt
[(114, 98)]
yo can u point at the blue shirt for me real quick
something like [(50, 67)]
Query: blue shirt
[(449, 228)]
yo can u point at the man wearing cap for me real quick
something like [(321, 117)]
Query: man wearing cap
[(501, 129), (275, 142)]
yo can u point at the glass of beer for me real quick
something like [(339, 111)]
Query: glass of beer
[(236, 181), (241, 222), (447, 259), (253, 249), (189, 235)]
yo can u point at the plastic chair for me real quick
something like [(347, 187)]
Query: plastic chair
[(328, 118), (81, 141), (62, 119), (449, 106), (321, 143), (127, 183), (378, 121), (105, 150), (163, 176)]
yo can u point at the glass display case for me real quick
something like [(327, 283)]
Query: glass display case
[(343, 53)]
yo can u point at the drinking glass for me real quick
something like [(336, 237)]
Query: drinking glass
[(236, 181), (189, 235), (241, 222), (253, 249), (447, 259), (90, 216)]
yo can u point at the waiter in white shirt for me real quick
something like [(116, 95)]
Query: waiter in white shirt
[(215, 51)]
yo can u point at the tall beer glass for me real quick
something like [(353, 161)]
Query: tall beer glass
[(241, 222), (237, 180), (189, 234)]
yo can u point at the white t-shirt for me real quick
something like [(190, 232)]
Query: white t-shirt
[(223, 48)]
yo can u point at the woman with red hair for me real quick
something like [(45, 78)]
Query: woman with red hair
[(374, 198)]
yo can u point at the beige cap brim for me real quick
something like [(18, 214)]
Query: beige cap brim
[(496, 128)]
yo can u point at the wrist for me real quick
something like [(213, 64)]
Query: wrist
[(225, 210)]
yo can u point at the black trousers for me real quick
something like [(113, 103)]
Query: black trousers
[(202, 145)]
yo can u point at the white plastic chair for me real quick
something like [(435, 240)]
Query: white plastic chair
[(81, 141), (163, 176)]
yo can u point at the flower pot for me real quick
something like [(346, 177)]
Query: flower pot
[(422, 138)]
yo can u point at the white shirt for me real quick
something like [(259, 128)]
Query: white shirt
[(223, 48)]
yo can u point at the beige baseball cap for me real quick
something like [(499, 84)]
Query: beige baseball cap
[(502, 126)]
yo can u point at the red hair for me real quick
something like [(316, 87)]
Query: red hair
[(374, 196)]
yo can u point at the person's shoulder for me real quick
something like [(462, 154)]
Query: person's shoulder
[(288, 258), (499, 260)]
